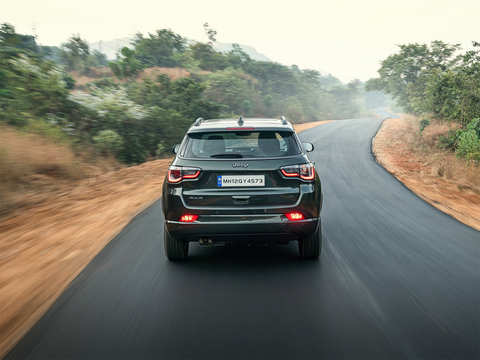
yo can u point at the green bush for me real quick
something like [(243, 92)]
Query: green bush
[(449, 141), (108, 141), (105, 83), (468, 145), (423, 124), (161, 150), (69, 81)]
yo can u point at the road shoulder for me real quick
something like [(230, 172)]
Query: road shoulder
[(456, 197)]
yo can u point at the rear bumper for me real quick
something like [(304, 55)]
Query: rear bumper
[(241, 226), (242, 221)]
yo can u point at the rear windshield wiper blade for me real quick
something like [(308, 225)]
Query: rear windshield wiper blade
[(227, 155)]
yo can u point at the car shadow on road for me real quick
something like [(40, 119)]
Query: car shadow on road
[(243, 256)]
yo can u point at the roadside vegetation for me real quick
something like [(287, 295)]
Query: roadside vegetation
[(438, 82)]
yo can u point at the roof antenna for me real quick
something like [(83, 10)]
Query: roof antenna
[(240, 121), (198, 121), (284, 120)]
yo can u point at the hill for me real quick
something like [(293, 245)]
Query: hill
[(249, 50), (112, 47)]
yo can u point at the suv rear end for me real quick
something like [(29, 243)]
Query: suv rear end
[(241, 180)]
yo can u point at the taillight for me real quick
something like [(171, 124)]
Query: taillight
[(188, 218), (302, 171), (294, 216), (179, 173)]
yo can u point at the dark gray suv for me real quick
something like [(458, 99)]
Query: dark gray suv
[(242, 180)]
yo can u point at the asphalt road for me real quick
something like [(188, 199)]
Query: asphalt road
[(397, 279)]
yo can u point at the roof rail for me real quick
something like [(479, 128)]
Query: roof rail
[(240, 121), (284, 120), (198, 121)]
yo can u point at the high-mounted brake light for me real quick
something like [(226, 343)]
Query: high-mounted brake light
[(240, 128), (179, 173), (302, 171), (188, 218), (294, 216)]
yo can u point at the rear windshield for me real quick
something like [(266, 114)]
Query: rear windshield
[(241, 144)]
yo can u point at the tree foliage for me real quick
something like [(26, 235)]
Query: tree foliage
[(136, 120), (437, 79), (405, 75), (127, 64), (159, 49), (75, 55)]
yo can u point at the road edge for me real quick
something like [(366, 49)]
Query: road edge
[(424, 198)]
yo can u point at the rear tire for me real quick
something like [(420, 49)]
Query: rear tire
[(310, 246), (175, 249)]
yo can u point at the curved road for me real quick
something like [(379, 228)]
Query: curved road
[(397, 279)]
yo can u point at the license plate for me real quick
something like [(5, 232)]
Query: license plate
[(240, 180)]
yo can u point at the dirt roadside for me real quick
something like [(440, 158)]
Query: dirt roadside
[(427, 173), (306, 126), (43, 248)]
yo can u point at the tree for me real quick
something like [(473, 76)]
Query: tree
[(98, 58), (208, 58), (232, 89), (211, 34), (126, 65), (238, 58), (159, 49), (405, 75), (10, 39), (74, 53)]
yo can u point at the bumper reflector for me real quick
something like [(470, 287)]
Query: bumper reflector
[(293, 216), (188, 218)]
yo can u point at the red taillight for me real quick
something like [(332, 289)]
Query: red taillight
[(307, 172), (290, 171), (294, 216), (174, 175), (303, 171), (178, 173), (188, 218)]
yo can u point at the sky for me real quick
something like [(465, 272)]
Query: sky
[(348, 39)]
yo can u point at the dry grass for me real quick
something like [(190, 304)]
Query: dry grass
[(434, 131), (438, 162), (149, 73), (31, 164), (436, 175), (25, 154), (172, 73)]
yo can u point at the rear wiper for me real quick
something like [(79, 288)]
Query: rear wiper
[(227, 155)]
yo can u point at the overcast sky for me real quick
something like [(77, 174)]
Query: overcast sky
[(345, 38)]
